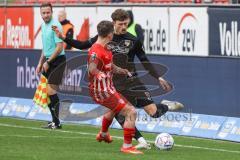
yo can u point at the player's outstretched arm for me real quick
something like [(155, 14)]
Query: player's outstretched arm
[(80, 44), (149, 67), (140, 53), (75, 43)]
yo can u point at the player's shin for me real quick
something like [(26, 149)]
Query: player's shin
[(161, 110), (106, 122), (128, 135), (138, 136)]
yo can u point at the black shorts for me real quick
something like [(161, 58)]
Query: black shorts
[(136, 93), (56, 69)]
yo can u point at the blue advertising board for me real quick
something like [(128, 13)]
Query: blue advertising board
[(187, 124), (171, 122), (81, 113), (39, 113), (230, 130), (3, 102), (206, 126), (224, 31), (213, 79), (17, 107)]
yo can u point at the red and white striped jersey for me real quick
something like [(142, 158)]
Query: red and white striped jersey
[(102, 57)]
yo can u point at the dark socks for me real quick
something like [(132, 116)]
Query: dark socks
[(54, 108), (161, 110)]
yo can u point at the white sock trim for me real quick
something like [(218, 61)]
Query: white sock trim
[(142, 140), (125, 145), (103, 134)]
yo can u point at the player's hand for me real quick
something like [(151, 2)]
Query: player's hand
[(101, 76), (39, 69), (129, 74), (164, 84), (45, 66), (58, 33), (125, 72)]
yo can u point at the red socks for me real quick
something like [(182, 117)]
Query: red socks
[(128, 135), (105, 124)]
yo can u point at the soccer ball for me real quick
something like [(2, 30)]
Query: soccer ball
[(164, 141)]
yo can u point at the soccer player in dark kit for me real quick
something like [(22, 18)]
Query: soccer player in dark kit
[(125, 47)]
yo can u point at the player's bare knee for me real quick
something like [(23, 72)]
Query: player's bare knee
[(109, 115), (132, 113), (130, 108)]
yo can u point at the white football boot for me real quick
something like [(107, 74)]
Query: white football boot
[(173, 105), (143, 146)]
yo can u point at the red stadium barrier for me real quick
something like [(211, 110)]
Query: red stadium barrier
[(139, 1), (221, 1), (68, 1), (184, 1), (163, 1), (30, 1), (109, 1), (94, 1), (51, 1)]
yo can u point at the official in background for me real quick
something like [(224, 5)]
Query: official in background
[(134, 28), (52, 61), (68, 28)]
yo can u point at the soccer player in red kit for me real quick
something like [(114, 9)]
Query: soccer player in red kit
[(100, 71)]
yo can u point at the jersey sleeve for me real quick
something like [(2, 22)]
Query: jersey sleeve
[(94, 62), (94, 57), (144, 60), (80, 44), (140, 34)]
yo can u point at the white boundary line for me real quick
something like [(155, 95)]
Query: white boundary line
[(36, 136), (91, 134)]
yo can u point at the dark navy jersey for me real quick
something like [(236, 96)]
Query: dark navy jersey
[(125, 48)]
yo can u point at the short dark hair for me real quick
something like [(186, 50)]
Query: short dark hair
[(46, 4), (104, 28), (119, 15)]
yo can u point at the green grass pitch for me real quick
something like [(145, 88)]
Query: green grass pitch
[(25, 140)]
